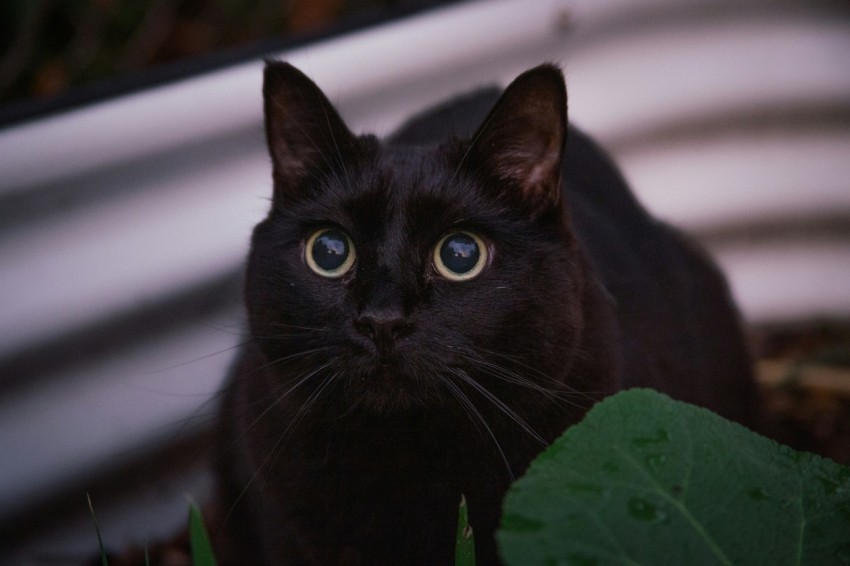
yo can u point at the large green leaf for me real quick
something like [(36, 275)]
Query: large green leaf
[(644, 479)]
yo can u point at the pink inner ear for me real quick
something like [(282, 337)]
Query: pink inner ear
[(536, 173)]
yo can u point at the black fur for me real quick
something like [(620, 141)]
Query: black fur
[(340, 447)]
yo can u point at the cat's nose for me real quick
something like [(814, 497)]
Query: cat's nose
[(384, 329)]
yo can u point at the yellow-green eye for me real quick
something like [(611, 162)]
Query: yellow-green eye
[(460, 256), (329, 252)]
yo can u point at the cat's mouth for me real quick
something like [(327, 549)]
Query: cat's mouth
[(390, 385)]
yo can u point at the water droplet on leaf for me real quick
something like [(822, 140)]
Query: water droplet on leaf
[(643, 510), (656, 461), (660, 436), (757, 494)]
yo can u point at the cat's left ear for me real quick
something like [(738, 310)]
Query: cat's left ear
[(521, 142)]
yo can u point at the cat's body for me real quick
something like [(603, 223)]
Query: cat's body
[(375, 392)]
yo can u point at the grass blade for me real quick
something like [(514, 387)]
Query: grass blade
[(199, 540), (103, 559), (465, 541)]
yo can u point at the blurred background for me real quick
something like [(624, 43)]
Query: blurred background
[(48, 48), (133, 166)]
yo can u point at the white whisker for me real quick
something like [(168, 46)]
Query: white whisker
[(277, 401), (274, 452), (499, 404), (473, 411), (559, 392)]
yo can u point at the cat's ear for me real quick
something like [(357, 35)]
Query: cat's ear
[(521, 142), (305, 134)]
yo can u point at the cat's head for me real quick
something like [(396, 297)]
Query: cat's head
[(390, 278)]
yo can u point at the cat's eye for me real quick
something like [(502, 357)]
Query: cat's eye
[(329, 252), (460, 256)]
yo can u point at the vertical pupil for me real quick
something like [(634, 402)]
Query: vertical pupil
[(330, 250), (460, 253)]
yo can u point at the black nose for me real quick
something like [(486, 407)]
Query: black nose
[(384, 329)]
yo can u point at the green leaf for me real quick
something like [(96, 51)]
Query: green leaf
[(644, 479), (199, 540), (465, 541)]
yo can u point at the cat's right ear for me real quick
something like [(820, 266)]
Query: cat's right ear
[(521, 142), (305, 134)]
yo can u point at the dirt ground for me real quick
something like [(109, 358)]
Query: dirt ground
[(804, 375)]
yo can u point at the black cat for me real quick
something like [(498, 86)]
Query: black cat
[(427, 313)]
